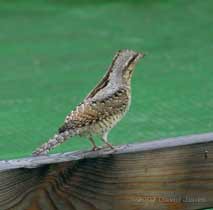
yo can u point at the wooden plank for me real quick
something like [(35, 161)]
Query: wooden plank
[(31, 162), (175, 173)]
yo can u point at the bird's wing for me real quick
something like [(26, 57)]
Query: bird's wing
[(91, 112), (84, 114)]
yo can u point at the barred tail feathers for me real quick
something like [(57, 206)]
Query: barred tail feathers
[(54, 142)]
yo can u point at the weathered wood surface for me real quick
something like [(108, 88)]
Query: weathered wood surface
[(171, 174)]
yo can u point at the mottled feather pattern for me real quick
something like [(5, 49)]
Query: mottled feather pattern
[(91, 112), (103, 107)]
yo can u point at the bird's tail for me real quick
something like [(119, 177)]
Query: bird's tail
[(54, 142)]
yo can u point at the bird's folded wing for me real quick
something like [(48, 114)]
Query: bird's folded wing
[(91, 112)]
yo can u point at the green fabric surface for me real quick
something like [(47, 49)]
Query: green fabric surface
[(53, 52)]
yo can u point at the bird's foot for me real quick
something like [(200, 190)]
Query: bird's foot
[(95, 148), (108, 145)]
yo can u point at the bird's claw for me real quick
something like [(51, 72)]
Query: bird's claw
[(108, 145), (95, 148)]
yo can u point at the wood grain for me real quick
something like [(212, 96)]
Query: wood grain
[(171, 174)]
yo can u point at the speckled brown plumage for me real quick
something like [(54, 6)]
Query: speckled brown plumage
[(91, 112), (104, 106)]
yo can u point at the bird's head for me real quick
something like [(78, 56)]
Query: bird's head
[(123, 65)]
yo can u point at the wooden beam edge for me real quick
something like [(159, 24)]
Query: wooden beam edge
[(33, 162)]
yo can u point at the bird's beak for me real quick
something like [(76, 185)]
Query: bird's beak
[(141, 55)]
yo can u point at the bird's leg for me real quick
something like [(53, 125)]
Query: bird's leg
[(105, 140), (94, 148)]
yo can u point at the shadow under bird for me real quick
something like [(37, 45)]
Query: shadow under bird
[(102, 108)]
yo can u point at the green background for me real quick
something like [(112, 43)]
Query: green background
[(53, 52)]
